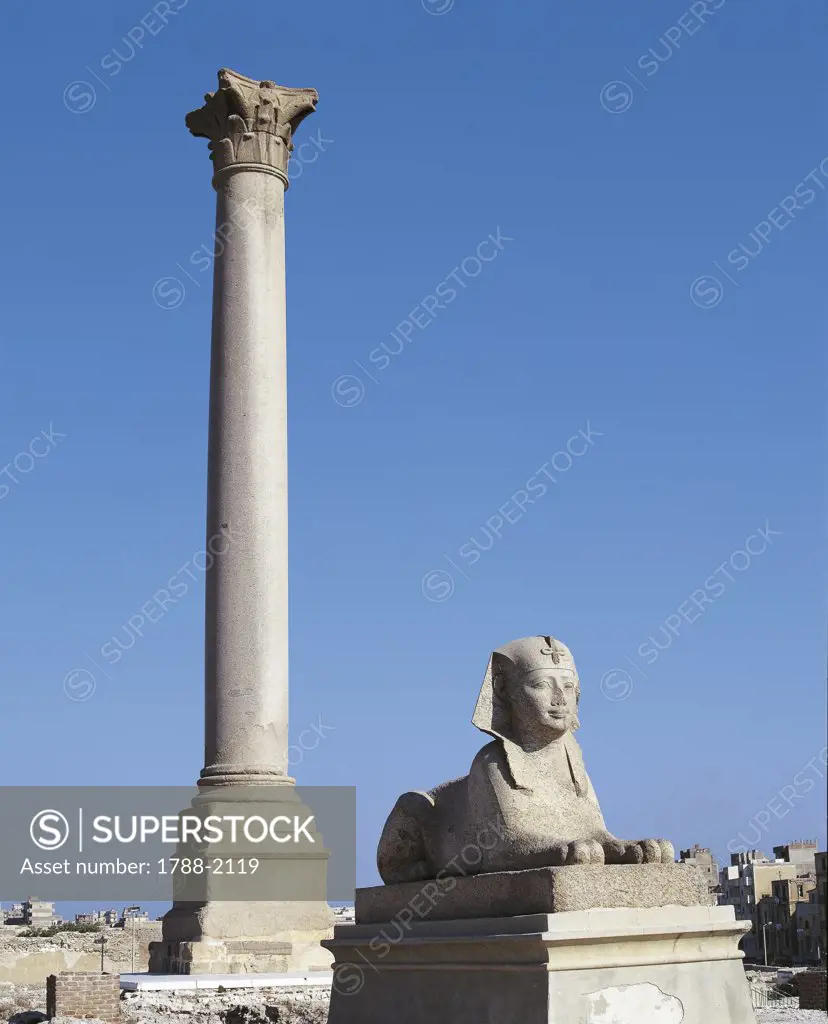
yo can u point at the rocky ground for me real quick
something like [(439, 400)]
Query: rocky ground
[(262, 1006), (17, 998), (790, 1016)]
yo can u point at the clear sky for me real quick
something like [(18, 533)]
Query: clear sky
[(651, 176)]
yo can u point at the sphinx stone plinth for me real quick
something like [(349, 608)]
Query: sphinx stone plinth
[(668, 965), (536, 891), (249, 125)]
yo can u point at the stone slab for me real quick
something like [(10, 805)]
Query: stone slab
[(536, 891), (660, 965), (194, 982)]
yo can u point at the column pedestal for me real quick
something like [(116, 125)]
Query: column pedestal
[(225, 923), (243, 938)]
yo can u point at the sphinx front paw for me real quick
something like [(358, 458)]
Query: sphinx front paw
[(647, 851), (636, 851), (584, 851)]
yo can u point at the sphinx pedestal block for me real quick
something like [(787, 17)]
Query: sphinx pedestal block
[(655, 965)]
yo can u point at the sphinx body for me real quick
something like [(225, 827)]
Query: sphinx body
[(527, 800)]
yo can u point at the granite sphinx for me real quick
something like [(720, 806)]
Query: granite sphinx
[(527, 791)]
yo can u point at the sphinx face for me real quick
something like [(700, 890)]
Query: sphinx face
[(543, 702)]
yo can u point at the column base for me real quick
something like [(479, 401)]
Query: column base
[(243, 775), (663, 965), (243, 938)]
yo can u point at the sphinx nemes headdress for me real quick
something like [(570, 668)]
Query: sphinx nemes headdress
[(493, 715)]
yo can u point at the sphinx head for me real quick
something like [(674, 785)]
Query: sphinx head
[(531, 692)]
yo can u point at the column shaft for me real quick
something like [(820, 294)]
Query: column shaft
[(246, 662)]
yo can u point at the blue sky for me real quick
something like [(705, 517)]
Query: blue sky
[(656, 171)]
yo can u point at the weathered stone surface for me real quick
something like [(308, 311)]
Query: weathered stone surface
[(224, 937), (251, 122), (535, 891), (670, 965), (528, 788)]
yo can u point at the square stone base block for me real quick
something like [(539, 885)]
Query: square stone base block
[(666, 965), (243, 938), (537, 891)]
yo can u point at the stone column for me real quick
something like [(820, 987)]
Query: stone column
[(250, 126)]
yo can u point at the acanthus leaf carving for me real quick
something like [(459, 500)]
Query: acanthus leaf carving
[(248, 121)]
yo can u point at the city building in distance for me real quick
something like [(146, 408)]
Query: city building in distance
[(704, 859), (782, 900), (32, 913)]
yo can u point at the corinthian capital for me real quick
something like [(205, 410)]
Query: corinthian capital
[(249, 122)]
